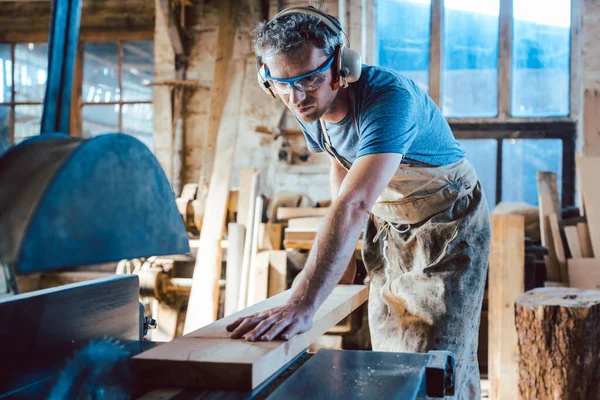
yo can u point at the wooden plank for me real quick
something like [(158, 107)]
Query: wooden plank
[(208, 358), (248, 243), (259, 264), (305, 223), (573, 241), (259, 278), (173, 26), (203, 303), (235, 255), (277, 272), (548, 203), (307, 244), (584, 273), (285, 213), (270, 236), (506, 282), (559, 247), (589, 167), (585, 240), (247, 194)]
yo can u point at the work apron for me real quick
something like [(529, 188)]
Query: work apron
[(426, 251)]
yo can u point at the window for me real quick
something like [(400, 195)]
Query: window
[(541, 58), (116, 95), (403, 34), (23, 74), (470, 58)]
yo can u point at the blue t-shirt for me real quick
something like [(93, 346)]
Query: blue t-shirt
[(393, 116)]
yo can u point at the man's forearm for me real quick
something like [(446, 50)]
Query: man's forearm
[(333, 248)]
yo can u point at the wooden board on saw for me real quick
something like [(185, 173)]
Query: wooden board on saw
[(208, 358)]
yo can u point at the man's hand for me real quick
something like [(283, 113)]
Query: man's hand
[(279, 322)]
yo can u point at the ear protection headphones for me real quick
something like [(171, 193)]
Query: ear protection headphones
[(348, 62)]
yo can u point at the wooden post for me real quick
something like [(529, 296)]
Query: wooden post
[(506, 282), (549, 203), (559, 350)]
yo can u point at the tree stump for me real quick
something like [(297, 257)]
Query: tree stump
[(559, 343)]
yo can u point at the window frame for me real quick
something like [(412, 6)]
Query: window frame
[(505, 36), (76, 124)]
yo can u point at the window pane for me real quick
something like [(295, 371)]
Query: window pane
[(4, 129), (403, 38), (5, 73), (31, 71), (28, 120), (100, 119), (470, 63), (482, 153), (100, 73), (138, 122), (138, 70), (521, 159), (540, 60)]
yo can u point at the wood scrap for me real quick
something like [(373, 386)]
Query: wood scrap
[(585, 240), (204, 297), (285, 213), (270, 236), (235, 254), (573, 241), (305, 223), (559, 247), (259, 265), (548, 203), (584, 273), (277, 272), (208, 358), (246, 196), (283, 200)]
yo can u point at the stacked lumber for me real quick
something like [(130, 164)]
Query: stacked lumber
[(572, 242)]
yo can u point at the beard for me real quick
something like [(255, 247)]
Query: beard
[(312, 116)]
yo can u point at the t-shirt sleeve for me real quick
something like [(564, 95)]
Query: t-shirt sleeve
[(388, 122)]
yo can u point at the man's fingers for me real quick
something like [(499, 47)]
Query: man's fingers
[(246, 326), (231, 327), (294, 329), (276, 329), (261, 328)]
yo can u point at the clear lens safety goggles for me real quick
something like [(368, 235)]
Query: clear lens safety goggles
[(304, 83)]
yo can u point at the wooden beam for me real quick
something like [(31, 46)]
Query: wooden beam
[(204, 296), (218, 92), (247, 194), (436, 49), (209, 358), (584, 273), (573, 241), (559, 247), (248, 242), (584, 240), (173, 26), (505, 59), (506, 282), (259, 262)]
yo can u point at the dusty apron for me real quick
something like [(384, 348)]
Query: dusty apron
[(426, 250)]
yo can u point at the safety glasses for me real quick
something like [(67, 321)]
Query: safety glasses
[(304, 83)]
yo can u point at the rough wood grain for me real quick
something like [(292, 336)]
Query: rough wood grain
[(584, 273), (506, 282), (208, 358), (548, 203), (559, 346), (203, 303)]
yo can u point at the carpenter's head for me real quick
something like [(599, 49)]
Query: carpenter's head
[(299, 52)]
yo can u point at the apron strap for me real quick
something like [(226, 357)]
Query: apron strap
[(327, 140)]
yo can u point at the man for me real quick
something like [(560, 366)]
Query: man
[(397, 170)]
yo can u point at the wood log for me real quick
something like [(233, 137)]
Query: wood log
[(559, 350), (208, 358)]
